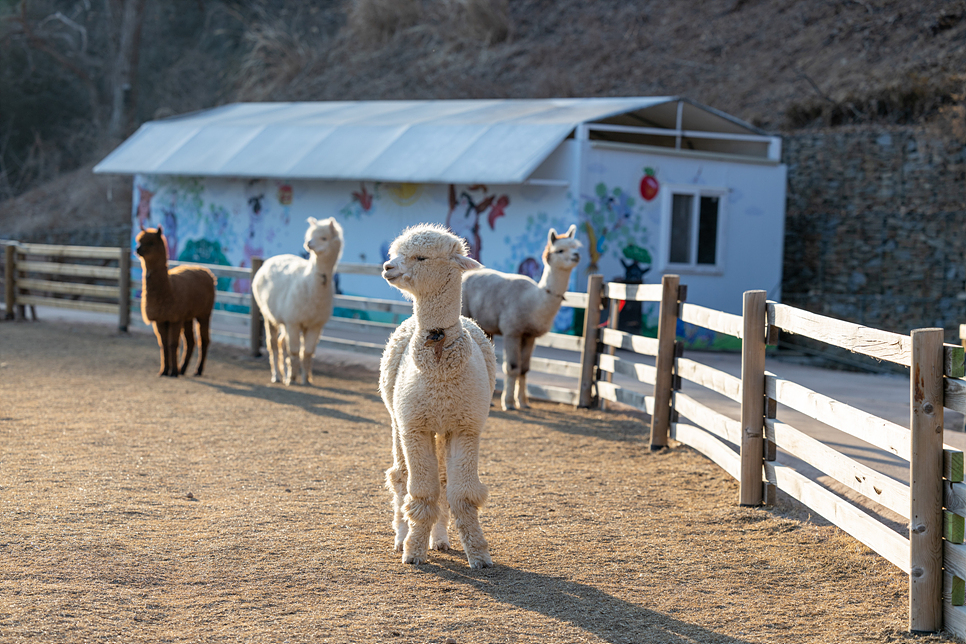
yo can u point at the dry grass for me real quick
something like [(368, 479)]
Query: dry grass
[(223, 509)]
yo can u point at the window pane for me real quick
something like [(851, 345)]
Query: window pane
[(708, 230), (681, 206)]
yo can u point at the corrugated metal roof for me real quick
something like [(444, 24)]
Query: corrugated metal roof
[(457, 141)]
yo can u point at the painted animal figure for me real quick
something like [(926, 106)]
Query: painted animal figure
[(520, 309), (436, 377), (172, 300), (295, 298)]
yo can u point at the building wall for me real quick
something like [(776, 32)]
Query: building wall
[(876, 227), (753, 223), (229, 221)]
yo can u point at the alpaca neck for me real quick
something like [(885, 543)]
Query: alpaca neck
[(155, 278), (554, 282), (440, 310)]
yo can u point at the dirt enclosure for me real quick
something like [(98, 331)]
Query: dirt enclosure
[(225, 509)]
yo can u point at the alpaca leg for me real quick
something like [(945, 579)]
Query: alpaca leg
[(189, 344), (174, 339), (523, 400), (310, 340), (161, 333), (511, 368), (422, 500), (288, 346), (273, 346), (396, 483), (466, 495), (439, 539), (204, 335)]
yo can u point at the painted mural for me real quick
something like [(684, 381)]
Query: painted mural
[(617, 214)]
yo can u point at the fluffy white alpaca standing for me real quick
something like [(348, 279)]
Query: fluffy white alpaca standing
[(436, 377), (520, 309), (295, 298)]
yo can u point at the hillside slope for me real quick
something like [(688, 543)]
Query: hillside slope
[(780, 65)]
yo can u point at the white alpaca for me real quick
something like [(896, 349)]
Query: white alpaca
[(520, 309), (437, 376), (295, 298)]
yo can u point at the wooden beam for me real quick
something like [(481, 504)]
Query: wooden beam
[(636, 343), (707, 418), (925, 475), (667, 324), (352, 268), (725, 457), (607, 357), (625, 396), (886, 435), (954, 619), (556, 367), (80, 252), (714, 379), (560, 341), (588, 355), (641, 372), (37, 286), (952, 527), (846, 516), (76, 270), (575, 300), (373, 304), (77, 305), (633, 292), (717, 321), (752, 397), (864, 480), (954, 589)]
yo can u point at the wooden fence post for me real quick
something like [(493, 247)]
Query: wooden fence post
[(255, 330), (752, 397), (667, 329), (10, 282), (926, 486), (588, 355), (124, 290)]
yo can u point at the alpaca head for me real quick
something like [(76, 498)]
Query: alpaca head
[(425, 259), (562, 251), (152, 247), (324, 238)]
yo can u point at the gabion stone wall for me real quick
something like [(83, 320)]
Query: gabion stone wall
[(875, 228)]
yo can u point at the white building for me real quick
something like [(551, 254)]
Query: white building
[(654, 184)]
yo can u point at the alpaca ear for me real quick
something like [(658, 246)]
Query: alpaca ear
[(552, 237), (160, 232), (572, 231), (466, 263), (312, 220)]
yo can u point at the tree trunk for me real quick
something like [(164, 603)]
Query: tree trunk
[(126, 68)]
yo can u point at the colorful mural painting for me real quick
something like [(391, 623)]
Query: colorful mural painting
[(618, 215)]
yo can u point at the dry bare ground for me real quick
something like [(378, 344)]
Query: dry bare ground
[(225, 509)]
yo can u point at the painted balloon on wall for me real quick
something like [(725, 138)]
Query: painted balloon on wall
[(649, 184)]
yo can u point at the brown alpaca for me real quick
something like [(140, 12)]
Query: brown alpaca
[(172, 300)]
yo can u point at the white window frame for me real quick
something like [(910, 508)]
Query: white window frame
[(666, 210)]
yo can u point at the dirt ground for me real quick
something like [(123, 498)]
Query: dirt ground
[(226, 509)]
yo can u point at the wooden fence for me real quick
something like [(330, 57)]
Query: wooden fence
[(932, 552)]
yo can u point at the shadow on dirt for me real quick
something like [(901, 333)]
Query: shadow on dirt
[(605, 616), (306, 398), (614, 427)]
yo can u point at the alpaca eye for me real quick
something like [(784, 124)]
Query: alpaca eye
[(420, 259)]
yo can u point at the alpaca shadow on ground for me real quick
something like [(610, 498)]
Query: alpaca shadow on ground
[(610, 618), (303, 397), (626, 427)]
